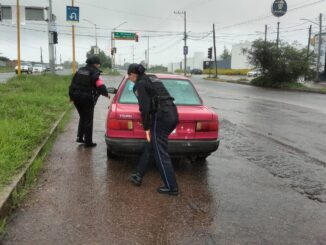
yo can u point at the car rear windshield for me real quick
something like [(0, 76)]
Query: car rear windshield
[(181, 90)]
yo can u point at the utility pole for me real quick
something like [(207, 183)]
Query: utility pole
[(147, 52), (319, 46), (133, 53), (73, 45), (215, 58), (41, 56), (18, 39), (278, 34), (60, 60), (185, 48), (266, 33), (309, 41), (51, 44)]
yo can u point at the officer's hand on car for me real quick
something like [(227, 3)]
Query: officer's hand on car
[(148, 135)]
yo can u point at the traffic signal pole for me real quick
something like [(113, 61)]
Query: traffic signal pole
[(215, 58), (51, 44)]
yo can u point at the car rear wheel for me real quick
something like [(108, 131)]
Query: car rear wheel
[(201, 158), (110, 154)]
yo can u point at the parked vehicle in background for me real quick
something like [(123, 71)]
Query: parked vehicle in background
[(25, 67), (46, 68), (59, 68), (195, 137), (255, 73), (196, 72), (38, 68)]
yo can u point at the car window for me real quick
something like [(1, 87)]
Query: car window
[(181, 90)]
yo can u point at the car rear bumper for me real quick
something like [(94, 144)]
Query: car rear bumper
[(176, 147)]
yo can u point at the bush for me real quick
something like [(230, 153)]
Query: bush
[(283, 64), (267, 82)]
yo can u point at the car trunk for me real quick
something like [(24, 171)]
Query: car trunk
[(186, 129)]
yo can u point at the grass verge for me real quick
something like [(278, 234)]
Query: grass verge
[(31, 174), (28, 109), (111, 72)]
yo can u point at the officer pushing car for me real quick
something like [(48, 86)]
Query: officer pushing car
[(159, 117), (86, 86)]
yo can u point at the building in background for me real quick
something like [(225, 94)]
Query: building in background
[(195, 62), (239, 60)]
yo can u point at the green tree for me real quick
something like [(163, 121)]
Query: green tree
[(283, 64), (226, 55), (106, 61)]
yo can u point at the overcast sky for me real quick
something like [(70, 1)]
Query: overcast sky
[(236, 21)]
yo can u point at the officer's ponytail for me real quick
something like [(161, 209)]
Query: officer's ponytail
[(141, 69)]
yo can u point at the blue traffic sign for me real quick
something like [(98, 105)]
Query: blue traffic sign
[(72, 14)]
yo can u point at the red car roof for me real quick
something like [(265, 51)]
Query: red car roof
[(168, 76)]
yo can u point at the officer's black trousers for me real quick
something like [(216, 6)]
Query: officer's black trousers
[(164, 122), (84, 104), (145, 159)]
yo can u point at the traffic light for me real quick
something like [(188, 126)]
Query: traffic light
[(55, 37), (115, 50), (112, 51), (210, 51), (137, 38)]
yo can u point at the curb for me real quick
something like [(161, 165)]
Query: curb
[(280, 89), (6, 201)]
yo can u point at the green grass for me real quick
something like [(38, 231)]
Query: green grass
[(28, 108), (111, 72), (6, 69)]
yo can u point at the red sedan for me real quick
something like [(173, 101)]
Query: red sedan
[(195, 137)]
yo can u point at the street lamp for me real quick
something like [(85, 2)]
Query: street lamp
[(113, 43), (92, 23)]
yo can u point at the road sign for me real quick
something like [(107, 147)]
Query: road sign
[(124, 36), (185, 50), (279, 8), (72, 14)]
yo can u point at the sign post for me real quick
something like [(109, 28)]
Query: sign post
[(73, 16), (279, 9)]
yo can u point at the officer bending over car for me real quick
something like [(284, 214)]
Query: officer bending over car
[(85, 88), (159, 117)]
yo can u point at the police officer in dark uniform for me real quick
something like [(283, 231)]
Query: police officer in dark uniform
[(159, 118), (85, 88)]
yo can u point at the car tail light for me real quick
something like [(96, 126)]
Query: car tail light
[(120, 124), (206, 126)]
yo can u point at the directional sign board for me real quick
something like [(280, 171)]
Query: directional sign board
[(279, 8), (72, 14), (124, 36)]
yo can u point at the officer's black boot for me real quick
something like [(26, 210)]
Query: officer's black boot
[(80, 140), (136, 179), (167, 191)]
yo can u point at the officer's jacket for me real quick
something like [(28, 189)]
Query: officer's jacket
[(87, 80), (151, 95)]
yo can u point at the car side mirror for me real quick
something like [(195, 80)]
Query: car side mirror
[(112, 90)]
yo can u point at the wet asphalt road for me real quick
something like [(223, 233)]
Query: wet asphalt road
[(265, 185), (5, 76)]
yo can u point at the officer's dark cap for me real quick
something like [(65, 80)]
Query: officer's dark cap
[(138, 69), (93, 60)]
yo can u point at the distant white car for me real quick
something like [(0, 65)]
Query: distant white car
[(255, 73), (59, 68), (25, 67), (38, 69)]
